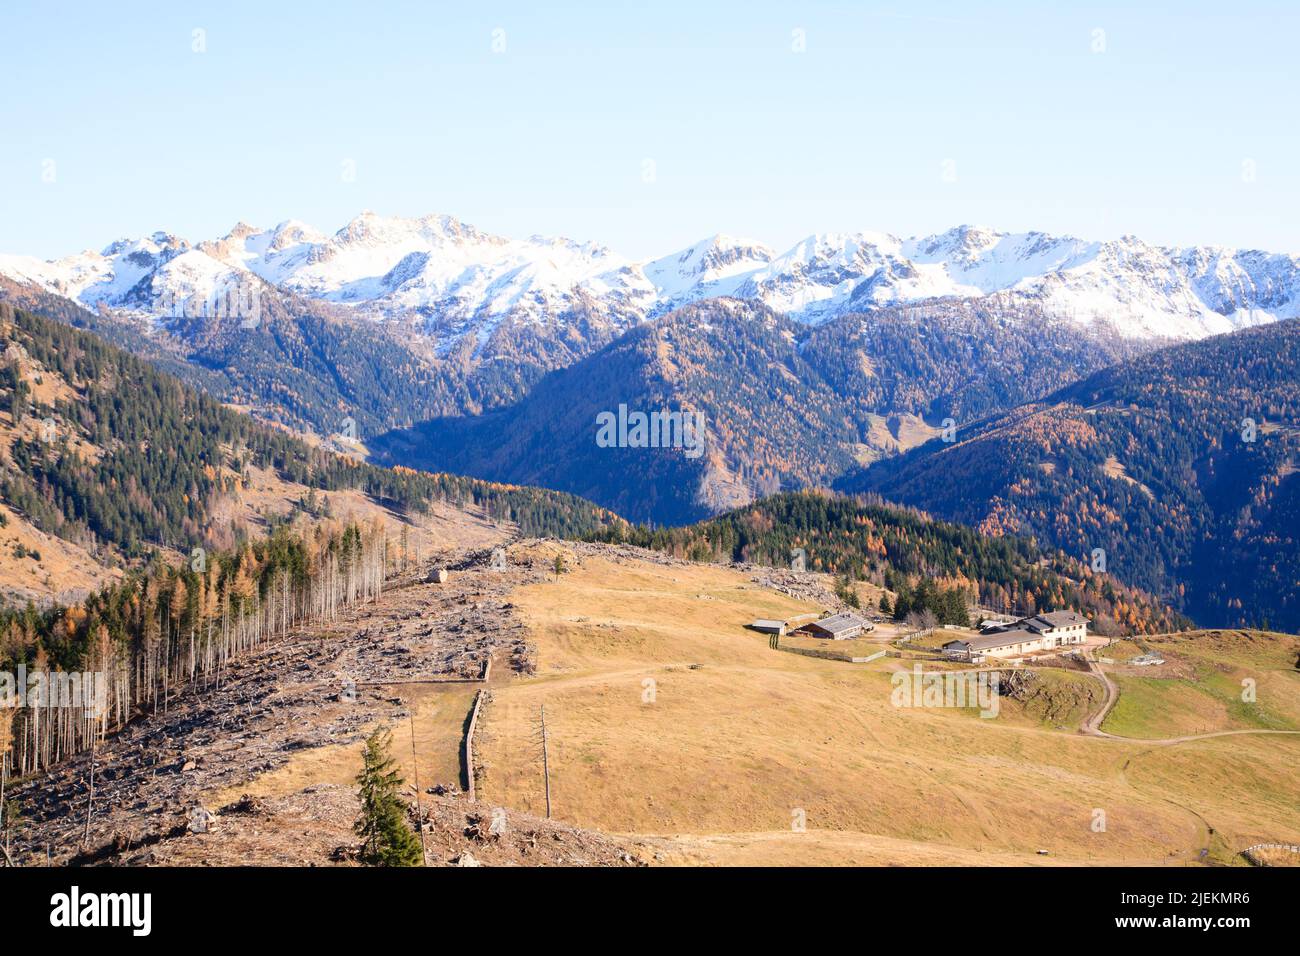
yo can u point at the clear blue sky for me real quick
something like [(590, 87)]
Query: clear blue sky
[(747, 136)]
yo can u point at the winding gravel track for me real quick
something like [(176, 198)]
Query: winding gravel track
[(1092, 725)]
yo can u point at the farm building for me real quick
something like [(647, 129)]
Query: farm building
[(1006, 644), (963, 651), (1042, 632), (1058, 628), (838, 627), (768, 627)]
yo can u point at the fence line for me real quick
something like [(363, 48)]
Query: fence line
[(830, 655), (469, 744)]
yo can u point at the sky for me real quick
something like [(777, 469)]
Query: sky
[(647, 128)]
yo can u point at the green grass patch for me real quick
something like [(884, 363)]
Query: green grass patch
[(1152, 707)]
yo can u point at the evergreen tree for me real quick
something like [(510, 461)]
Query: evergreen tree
[(902, 605), (885, 606), (382, 824), (167, 456)]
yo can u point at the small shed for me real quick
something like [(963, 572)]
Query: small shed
[(765, 626), (963, 651)]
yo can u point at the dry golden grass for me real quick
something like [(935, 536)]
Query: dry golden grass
[(832, 848), (857, 647), (909, 431), (1277, 856), (444, 527), (730, 740), (64, 571), (67, 572), (1114, 468), (1210, 681)]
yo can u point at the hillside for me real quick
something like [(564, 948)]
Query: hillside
[(1154, 461), (655, 693), (272, 744), (906, 552), (1199, 686), (783, 406), (307, 365), (669, 719), (955, 357), (116, 460)]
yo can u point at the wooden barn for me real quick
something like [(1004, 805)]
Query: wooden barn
[(837, 627)]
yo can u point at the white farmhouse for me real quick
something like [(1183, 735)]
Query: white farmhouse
[(1042, 632)]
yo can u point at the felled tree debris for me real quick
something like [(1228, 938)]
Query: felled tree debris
[(320, 685)]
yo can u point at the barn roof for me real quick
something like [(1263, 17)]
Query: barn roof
[(1054, 619), (839, 622)]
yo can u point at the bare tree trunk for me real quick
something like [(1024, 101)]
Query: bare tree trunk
[(4, 823), (419, 809), (90, 801)]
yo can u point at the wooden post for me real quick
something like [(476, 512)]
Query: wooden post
[(419, 810), (546, 764)]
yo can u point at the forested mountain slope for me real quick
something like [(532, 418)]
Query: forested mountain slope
[(957, 357), (307, 366), (99, 448), (862, 538), (784, 406), (1180, 464)]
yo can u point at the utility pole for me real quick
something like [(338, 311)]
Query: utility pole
[(546, 765), (419, 810)]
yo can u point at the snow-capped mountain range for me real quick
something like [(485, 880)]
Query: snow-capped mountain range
[(464, 281)]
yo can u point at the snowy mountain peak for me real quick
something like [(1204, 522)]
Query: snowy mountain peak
[(241, 230), (375, 230), (965, 243), (292, 233), (465, 281), (716, 266)]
